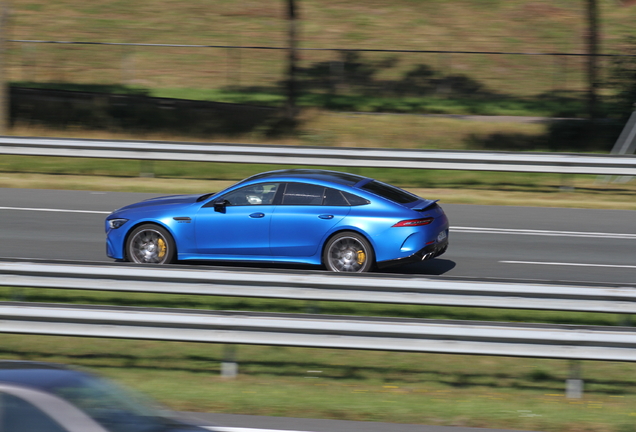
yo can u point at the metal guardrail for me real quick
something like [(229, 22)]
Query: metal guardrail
[(323, 331), (616, 165), (319, 287)]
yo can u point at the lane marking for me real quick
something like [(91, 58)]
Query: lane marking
[(475, 230), (55, 210), (569, 264)]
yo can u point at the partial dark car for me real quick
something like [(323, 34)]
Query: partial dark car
[(48, 397), (344, 222)]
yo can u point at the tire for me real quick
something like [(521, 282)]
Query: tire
[(348, 252), (150, 244)]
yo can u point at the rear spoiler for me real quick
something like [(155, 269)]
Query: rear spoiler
[(423, 205)]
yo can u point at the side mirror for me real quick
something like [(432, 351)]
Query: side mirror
[(219, 206)]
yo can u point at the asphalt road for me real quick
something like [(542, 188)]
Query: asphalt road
[(486, 242)]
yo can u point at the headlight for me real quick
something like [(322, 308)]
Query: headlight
[(116, 223)]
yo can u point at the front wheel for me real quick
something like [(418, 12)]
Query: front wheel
[(348, 252), (150, 244)]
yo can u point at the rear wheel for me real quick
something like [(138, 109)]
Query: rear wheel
[(348, 252), (150, 244)]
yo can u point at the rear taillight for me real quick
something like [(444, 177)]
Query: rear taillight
[(414, 222)]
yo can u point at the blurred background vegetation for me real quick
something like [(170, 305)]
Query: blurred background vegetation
[(517, 58)]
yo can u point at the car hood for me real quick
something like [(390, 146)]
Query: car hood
[(163, 201)]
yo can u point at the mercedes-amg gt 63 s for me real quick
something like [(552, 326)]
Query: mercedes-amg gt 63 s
[(345, 222)]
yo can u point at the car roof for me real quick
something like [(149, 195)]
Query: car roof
[(312, 174), (38, 374)]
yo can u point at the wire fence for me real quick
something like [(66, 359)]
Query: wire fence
[(391, 72)]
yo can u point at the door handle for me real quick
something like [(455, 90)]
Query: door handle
[(325, 216), (257, 215)]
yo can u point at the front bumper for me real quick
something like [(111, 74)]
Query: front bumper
[(429, 252)]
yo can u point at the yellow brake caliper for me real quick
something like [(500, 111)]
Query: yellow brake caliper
[(162, 248), (361, 257)]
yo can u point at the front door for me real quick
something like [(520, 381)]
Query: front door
[(241, 227)]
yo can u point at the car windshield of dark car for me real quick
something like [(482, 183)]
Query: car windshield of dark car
[(115, 408), (389, 192)]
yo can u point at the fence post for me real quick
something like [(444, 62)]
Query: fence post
[(4, 91), (128, 66), (291, 108)]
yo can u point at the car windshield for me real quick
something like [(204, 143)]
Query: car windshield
[(115, 408)]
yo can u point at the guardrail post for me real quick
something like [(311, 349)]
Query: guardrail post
[(313, 307), (146, 168), (229, 367), (625, 320), (574, 384), (566, 183), (17, 294)]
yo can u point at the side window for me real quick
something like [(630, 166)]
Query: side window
[(18, 415), (303, 194), (257, 194), (355, 200), (334, 197)]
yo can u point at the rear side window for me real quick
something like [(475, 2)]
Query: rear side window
[(308, 194), (303, 194), (390, 192), (355, 200), (334, 197)]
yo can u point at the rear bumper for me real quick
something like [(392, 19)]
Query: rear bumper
[(429, 252)]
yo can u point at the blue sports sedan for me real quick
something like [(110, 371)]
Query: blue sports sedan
[(345, 222)]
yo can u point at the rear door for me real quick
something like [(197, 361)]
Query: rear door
[(304, 217)]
